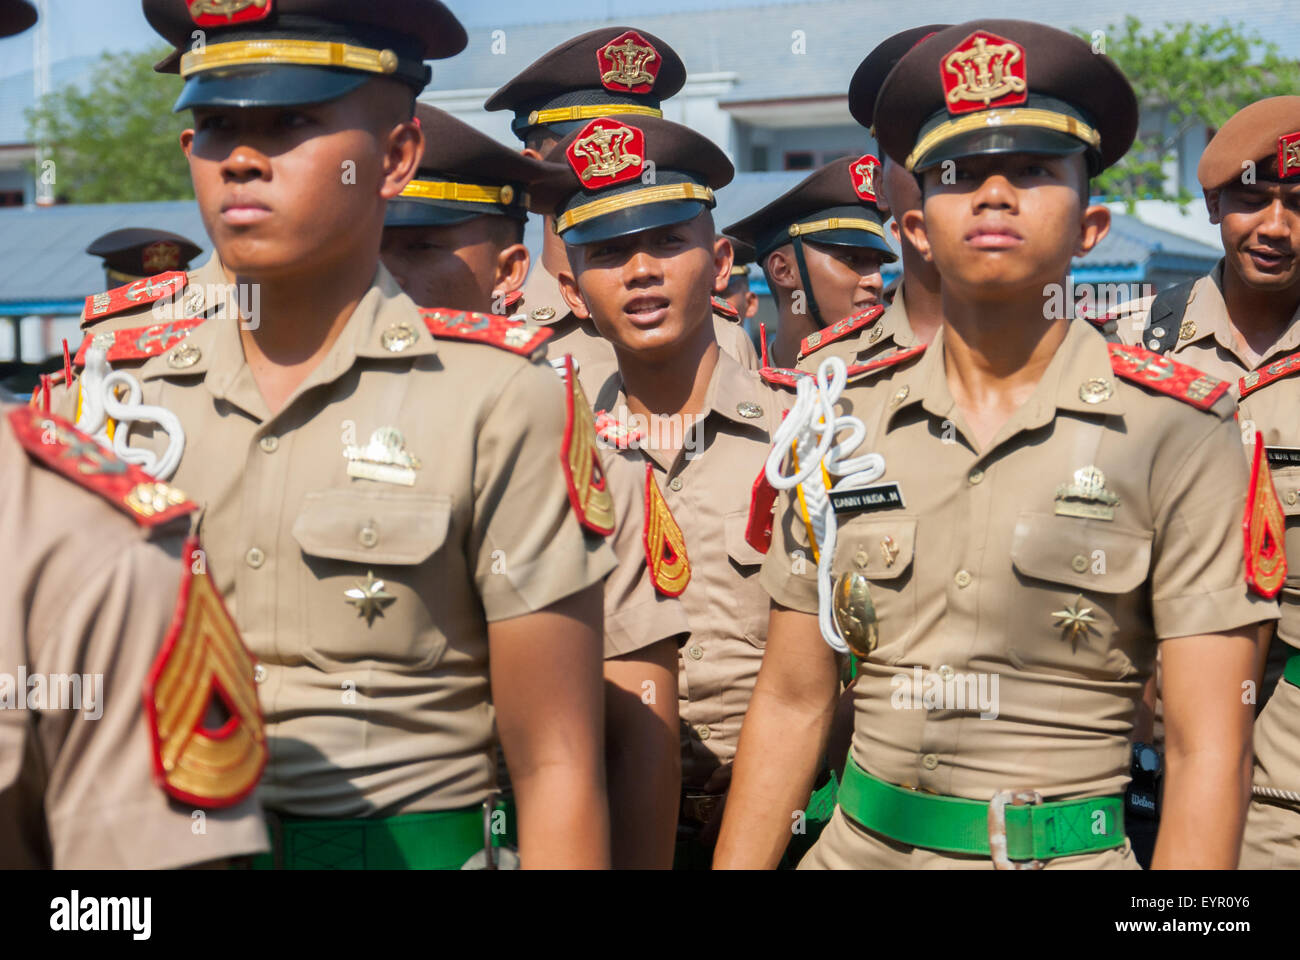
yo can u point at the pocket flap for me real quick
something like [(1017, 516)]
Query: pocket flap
[(878, 549), (372, 526), (1087, 554), (738, 548)]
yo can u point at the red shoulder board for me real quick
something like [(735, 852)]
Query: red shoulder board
[(1264, 527), (839, 329), (588, 492), (202, 663), (132, 295), (1166, 376), (615, 433), (888, 360), (1285, 367), (66, 450), (782, 376), (727, 310), (665, 547), (758, 529), (138, 343), (499, 331)]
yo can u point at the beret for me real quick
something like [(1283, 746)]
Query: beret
[(1267, 130)]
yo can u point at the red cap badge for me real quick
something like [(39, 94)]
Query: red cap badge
[(161, 256), (629, 63), (984, 71), (225, 13), (863, 173), (607, 152), (1288, 155)]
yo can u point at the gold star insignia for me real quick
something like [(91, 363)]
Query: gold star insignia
[(1076, 620), (369, 598)]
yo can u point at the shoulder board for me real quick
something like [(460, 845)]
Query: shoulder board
[(1166, 376), (782, 376), (725, 309), (203, 663), (66, 450), (665, 547), (613, 432), (888, 360), (1286, 367), (758, 526), (588, 491), (1264, 527), (137, 293), (137, 343), (840, 329), (488, 328)]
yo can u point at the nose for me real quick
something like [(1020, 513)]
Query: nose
[(642, 267), (1273, 224), (994, 193), (245, 163)]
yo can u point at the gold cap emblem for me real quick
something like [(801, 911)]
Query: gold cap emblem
[(983, 71), (628, 62)]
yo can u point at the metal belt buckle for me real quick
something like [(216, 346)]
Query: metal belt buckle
[(998, 828)]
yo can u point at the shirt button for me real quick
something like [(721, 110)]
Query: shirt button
[(929, 761), (946, 673), (259, 673), (695, 651), (368, 536), (1291, 497), (976, 476), (269, 443), (254, 558), (962, 579), (702, 731), (675, 483), (1079, 563)]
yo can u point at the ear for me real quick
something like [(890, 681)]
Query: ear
[(1214, 204), (512, 268), (913, 228), (187, 142), (896, 231), (724, 255), (751, 304), (781, 269), (1095, 225), (573, 295), (403, 149), (530, 152)]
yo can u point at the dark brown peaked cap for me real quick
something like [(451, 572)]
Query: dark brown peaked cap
[(1266, 130), (875, 67), (580, 73), (606, 186), (834, 204), (1004, 86), (332, 48), (143, 251), (463, 174), (15, 17)]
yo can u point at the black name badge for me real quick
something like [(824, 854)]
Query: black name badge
[(881, 496), (1283, 456)]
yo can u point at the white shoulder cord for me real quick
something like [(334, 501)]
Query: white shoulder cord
[(99, 402), (810, 429)]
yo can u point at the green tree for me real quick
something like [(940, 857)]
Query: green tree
[(115, 140), (1195, 74)]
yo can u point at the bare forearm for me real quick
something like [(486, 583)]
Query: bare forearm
[(1204, 812), (563, 818)]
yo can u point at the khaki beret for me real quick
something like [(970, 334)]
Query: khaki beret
[(1267, 130)]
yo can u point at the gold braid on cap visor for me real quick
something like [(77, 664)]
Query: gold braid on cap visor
[(623, 201), (1013, 117), (312, 53), (591, 111), (468, 192), (836, 223)]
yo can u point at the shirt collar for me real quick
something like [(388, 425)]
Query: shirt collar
[(731, 389), (541, 292), (1208, 312)]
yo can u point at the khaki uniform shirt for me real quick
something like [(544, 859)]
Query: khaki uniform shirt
[(366, 594), (89, 592), (968, 575), (708, 491), (889, 333)]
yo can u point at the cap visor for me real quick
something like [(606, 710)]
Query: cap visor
[(622, 223), (413, 213), (853, 238), (268, 85), (1005, 139)]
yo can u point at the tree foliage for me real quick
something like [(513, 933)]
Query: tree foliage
[(1195, 74), (115, 139)]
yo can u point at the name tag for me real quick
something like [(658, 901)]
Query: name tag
[(1283, 456), (880, 496)]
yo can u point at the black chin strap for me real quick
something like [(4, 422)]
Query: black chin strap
[(806, 281)]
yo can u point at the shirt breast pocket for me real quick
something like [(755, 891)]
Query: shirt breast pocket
[(749, 603), (881, 552), (1286, 480), (367, 576), (1078, 607)]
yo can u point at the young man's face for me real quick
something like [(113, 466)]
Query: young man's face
[(1007, 224), (844, 279), (738, 294), (464, 266), (648, 292), (284, 190), (1260, 226)]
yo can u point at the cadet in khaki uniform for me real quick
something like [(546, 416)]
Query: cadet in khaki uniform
[(645, 261), (821, 245), (455, 236), (614, 72), (104, 595), (1042, 536), (736, 290), (385, 509)]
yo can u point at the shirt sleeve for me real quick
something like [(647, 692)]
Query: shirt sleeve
[(789, 573), (528, 549)]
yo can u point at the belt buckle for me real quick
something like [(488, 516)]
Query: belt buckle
[(998, 828), (700, 807)]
